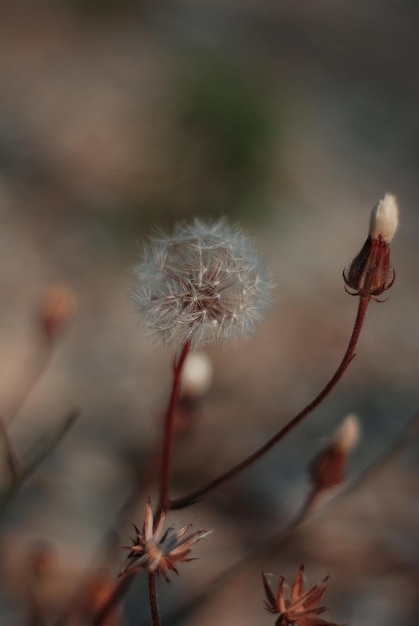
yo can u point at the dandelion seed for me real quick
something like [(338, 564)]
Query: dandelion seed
[(204, 283)]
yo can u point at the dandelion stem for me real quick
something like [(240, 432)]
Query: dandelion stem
[(155, 618), (187, 500), (169, 429)]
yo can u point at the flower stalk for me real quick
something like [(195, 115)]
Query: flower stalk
[(193, 497), (169, 429), (152, 594)]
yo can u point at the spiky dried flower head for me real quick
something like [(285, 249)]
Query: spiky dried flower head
[(370, 273), (299, 609), (329, 467), (158, 550), (203, 283)]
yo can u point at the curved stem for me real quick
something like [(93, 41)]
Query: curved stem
[(120, 589), (273, 543), (31, 375), (169, 429), (180, 503), (155, 618)]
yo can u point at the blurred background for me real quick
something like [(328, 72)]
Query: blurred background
[(292, 119)]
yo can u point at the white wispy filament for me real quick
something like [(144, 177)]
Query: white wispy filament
[(204, 283)]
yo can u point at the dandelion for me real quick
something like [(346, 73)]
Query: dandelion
[(300, 608), (370, 273), (204, 283), (158, 550)]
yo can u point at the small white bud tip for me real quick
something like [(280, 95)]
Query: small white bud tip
[(197, 374), (347, 436), (384, 218)]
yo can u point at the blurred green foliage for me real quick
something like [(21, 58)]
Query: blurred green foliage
[(215, 146), (229, 131)]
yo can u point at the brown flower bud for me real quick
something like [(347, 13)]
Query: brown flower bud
[(370, 273), (57, 308), (329, 468)]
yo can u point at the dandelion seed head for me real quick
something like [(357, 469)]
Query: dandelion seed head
[(203, 283)]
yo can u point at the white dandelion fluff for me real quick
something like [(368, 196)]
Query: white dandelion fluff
[(203, 283)]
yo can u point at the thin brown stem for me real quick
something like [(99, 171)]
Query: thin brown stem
[(31, 375), (120, 590), (155, 618), (273, 543), (11, 457), (169, 430), (125, 581), (255, 456)]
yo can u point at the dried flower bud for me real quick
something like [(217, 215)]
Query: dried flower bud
[(197, 374), (158, 550), (297, 607), (204, 283), (370, 273), (329, 468), (57, 308)]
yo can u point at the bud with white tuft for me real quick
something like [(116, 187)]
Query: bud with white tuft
[(197, 374), (370, 273), (347, 436), (329, 468), (384, 218)]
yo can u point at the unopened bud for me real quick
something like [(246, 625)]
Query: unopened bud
[(370, 273), (329, 468), (57, 308), (347, 436), (197, 374)]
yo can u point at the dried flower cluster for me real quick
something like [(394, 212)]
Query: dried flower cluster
[(204, 283), (158, 550), (300, 608)]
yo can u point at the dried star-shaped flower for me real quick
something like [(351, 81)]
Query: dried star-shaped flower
[(203, 283), (300, 608), (158, 550)]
